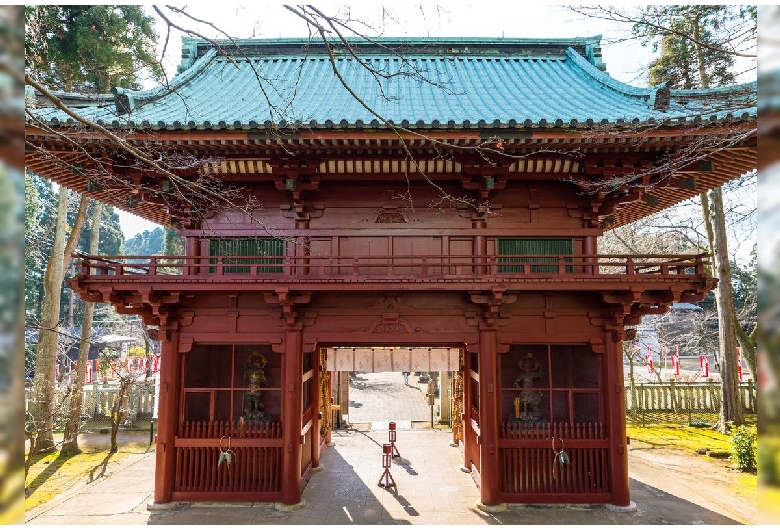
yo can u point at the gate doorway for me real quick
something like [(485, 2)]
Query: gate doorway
[(377, 398), (370, 392), (414, 387)]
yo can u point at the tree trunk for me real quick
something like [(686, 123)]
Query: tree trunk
[(704, 79), (731, 410), (118, 411), (71, 306), (715, 223), (747, 343), (70, 442), (44, 384)]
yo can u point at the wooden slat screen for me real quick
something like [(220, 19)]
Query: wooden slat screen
[(239, 246), (525, 246), (256, 458), (530, 472)]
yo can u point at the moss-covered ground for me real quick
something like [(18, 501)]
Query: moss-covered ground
[(54, 473)]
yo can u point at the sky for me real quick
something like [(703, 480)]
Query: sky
[(625, 61)]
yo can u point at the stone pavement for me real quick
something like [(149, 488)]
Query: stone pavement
[(430, 487), (383, 397)]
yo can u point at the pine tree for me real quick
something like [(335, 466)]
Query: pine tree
[(90, 48)]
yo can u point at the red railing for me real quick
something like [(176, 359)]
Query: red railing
[(252, 471), (532, 470), (361, 268)]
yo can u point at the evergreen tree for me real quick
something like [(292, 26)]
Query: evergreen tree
[(90, 48), (698, 44), (85, 49), (174, 243), (146, 243)]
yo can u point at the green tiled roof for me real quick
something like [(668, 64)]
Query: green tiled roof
[(419, 83)]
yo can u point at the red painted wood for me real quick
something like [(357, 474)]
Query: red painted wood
[(489, 396), (165, 466), (616, 412), (316, 405), (365, 260), (396, 283), (254, 456), (527, 458), (291, 417)]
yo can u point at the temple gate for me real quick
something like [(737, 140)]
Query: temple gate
[(473, 227)]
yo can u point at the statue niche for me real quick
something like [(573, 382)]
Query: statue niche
[(527, 402), (255, 379)]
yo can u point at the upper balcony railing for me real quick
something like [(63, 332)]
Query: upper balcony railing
[(314, 269)]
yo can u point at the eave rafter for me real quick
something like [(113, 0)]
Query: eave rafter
[(589, 157), (627, 307)]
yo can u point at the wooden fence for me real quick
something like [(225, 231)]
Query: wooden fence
[(99, 399), (694, 402)]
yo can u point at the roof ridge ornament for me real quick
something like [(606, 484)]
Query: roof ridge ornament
[(662, 96), (123, 100)]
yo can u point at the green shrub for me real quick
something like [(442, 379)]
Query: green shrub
[(744, 446)]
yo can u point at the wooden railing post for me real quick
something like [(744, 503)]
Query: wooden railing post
[(152, 266), (630, 266)]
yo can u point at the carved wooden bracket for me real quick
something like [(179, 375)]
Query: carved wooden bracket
[(491, 300), (390, 323), (288, 300), (185, 344), (597, 345)]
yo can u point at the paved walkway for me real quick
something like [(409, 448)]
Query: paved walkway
[(430, 488), (383, 397)]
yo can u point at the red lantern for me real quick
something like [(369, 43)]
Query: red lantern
[(386, 480), (392, 437), (739, 363), (704, 364)]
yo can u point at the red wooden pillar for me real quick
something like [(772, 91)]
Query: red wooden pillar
[(589, 248), (167, 419), (479, 247), (315, 393), (329, 407), (192, 251), (291, 417), (465, 414), (489, 390), (616, 414)]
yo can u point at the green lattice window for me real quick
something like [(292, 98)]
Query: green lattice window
[(239, 246), (527, 246)]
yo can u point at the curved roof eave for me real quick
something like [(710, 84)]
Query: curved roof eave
[(679, 114), (141, 95)]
